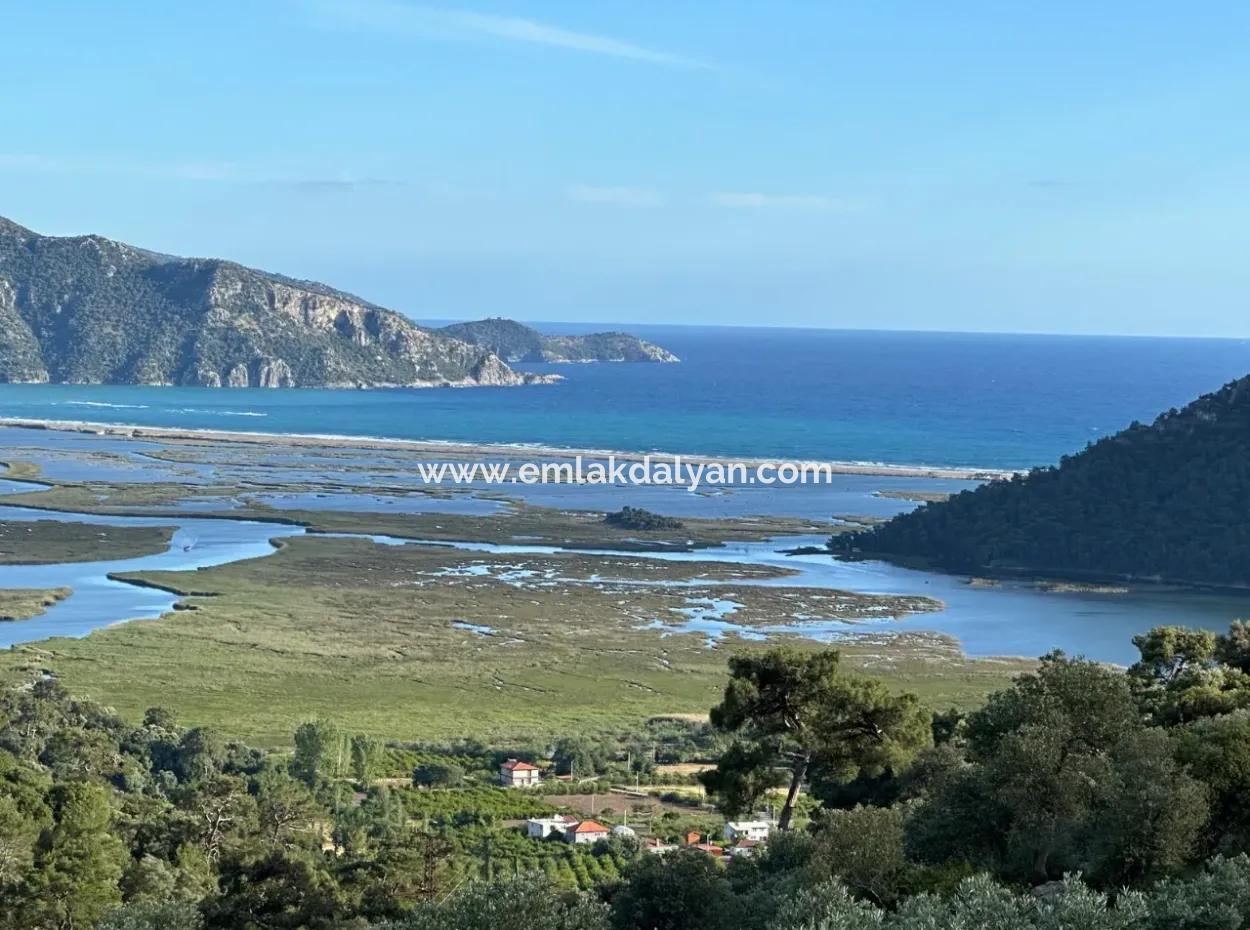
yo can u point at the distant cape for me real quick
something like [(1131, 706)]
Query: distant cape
[(515, 342)]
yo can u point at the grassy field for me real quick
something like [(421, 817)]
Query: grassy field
[(43, 542), (364, 635), (28, 603)]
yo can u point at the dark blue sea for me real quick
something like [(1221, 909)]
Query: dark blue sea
[(1003, 401)]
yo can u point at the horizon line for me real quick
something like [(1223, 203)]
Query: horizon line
[(432, 321)]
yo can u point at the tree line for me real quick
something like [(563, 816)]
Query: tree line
[(1080, 796)]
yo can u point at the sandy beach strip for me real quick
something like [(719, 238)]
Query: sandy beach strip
[(467, 450)]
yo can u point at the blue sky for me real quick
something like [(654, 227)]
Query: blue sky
[(1051, 167)]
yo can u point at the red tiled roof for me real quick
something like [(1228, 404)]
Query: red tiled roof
[(590, 826), (514, 765)]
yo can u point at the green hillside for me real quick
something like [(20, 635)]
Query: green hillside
[(1168, 501)]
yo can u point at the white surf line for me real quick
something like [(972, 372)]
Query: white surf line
[(509, 450)]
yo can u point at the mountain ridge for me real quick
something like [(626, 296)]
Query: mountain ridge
[(92, 310)]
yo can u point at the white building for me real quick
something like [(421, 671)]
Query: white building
[(745, 849), (657, 846), (517, 774), (756, 830), (539, 828), (622, 830)]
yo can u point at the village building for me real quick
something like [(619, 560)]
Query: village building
[(588, 831), (539, 828), (756, 830), (745, 849), (517, 774), (655, 845)]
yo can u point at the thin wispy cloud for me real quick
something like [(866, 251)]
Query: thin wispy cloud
[(199, 172), (105, 167), (750, 200), (393, 17), (342, 184), (615, 196)]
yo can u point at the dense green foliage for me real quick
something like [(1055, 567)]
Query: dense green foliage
[(516, 342), (510, 340), (90, 310), (1135, 782), (795, 714), (1169, 501), (687, 891)]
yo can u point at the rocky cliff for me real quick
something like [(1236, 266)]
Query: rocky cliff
[(89, 310)]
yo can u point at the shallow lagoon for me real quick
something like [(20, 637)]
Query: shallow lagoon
[(1009, 619)]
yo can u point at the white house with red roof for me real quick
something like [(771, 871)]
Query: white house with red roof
[(745, 849), (517, 774), (588, 831), (539, 828)]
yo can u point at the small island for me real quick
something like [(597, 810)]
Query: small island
[(635, 518)]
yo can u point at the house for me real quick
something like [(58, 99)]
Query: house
[(692, 839), (517, 774), (714, 851), (653, 844), (756, 830), (588, 831), (539, 828), (745, 849)]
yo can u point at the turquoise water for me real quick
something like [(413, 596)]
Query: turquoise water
[(934, 398)]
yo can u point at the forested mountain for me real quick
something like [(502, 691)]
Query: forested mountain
[(1168, 501), (515, 342), (87, 310)]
